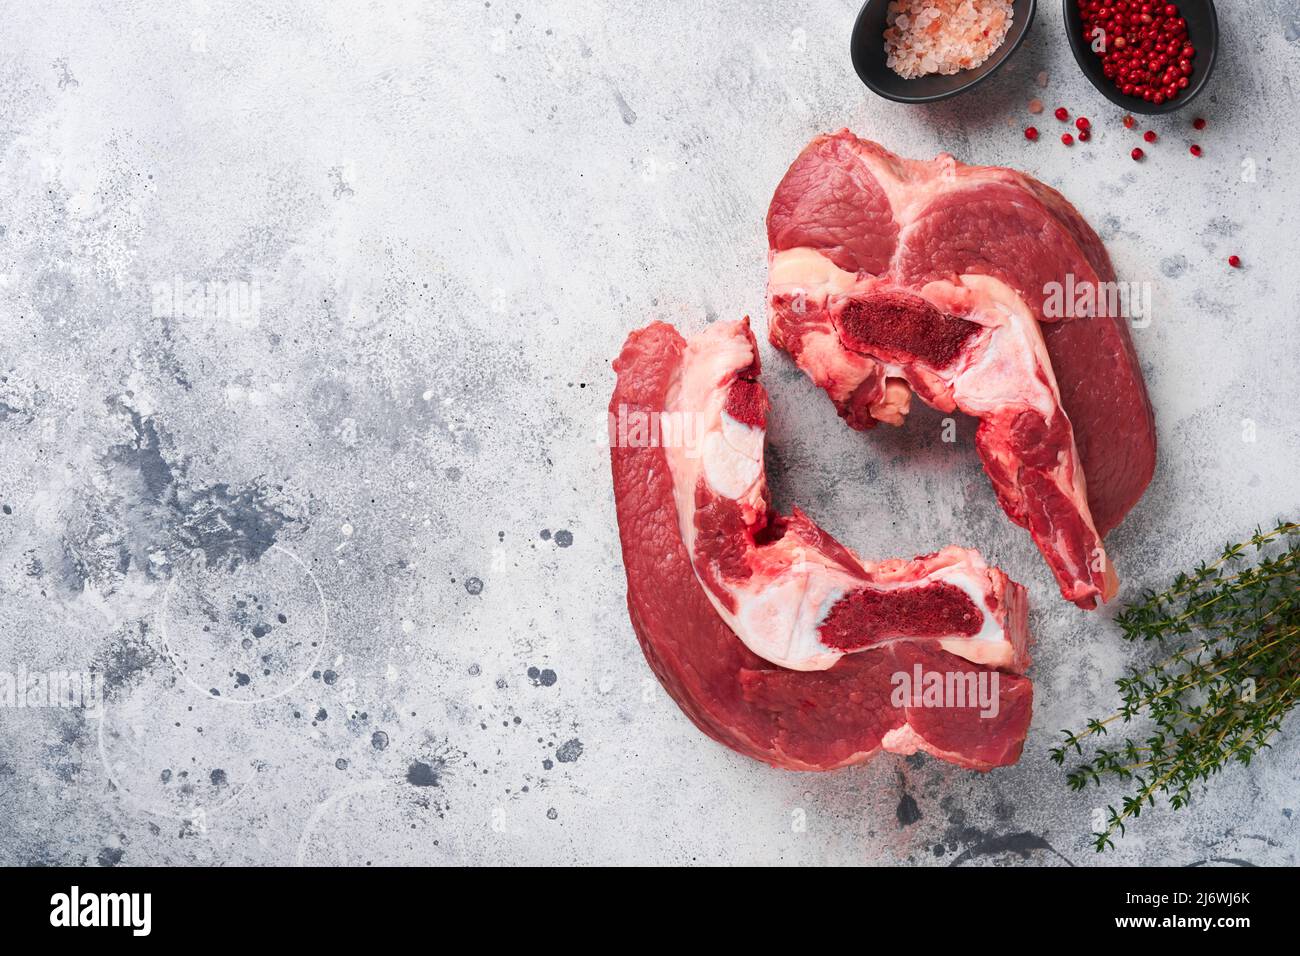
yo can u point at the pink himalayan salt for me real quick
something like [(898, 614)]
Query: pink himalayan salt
[(943, 36)]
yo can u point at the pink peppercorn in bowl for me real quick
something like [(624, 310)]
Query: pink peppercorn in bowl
[(871, 59), (1147, 50)]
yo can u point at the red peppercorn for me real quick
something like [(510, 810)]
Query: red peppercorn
[(1137, 153), (1195, 150), (1082, 123), (1198, 123), (1150, 136), (1031, 132), (1062, 113), (1084, 135), (1148, 52), (1128, 122), (1234, 261), (1067, 139)]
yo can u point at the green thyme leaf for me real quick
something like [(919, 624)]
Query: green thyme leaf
[(1230, 677)]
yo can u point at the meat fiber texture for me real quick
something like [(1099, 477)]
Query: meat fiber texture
[(797, 719), (890, 276)]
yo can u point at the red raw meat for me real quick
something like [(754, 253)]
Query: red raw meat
[(701, 548), (888, 276)]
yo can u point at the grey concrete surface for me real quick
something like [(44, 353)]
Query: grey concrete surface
[(353, 484)]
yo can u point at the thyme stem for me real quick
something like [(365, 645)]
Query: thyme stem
[(1221, 694)]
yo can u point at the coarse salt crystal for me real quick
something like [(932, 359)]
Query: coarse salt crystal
[(943, 36)]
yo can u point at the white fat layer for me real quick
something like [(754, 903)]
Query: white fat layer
[(695, 410), (903, 740), (831, 365), (779, 620), (1013, 367), (733, 457), (807, 272), (808, 277)]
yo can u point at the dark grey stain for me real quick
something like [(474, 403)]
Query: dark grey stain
[(907, 812), (1222, 861), (569, 751), (625, 111), (474, 585), (145, 456), (1173, 266), (1021, 844), (227, 525), (542, 678), (564, 538), (128, 656), (421, 774), (379, 740)]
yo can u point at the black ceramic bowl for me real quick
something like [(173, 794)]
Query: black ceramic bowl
[(867, 47), (1202, 31)]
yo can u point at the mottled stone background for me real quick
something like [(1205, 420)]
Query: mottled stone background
[(372, 513)]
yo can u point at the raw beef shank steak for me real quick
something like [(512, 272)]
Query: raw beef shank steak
[(890, 276), (772, 637)]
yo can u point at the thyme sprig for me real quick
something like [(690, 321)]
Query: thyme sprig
[(1232, 674)]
